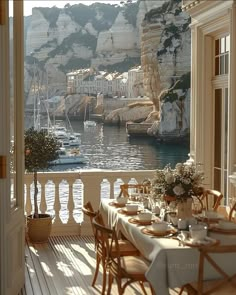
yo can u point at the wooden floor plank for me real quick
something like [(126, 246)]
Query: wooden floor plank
[(34, 286), (65, 266)]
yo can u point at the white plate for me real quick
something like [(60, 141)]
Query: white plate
[(206, 241), (150, 228), (215, 217)]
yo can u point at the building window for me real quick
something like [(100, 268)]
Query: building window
[(222, 55)]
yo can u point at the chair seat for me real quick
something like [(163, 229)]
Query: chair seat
[(226, 289), (134, 265), (126, 248)]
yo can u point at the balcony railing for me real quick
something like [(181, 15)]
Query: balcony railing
[(62, 194)]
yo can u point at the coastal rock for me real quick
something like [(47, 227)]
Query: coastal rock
[(135, 113)]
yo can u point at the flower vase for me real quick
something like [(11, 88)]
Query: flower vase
[(169, 199), (184, 209)]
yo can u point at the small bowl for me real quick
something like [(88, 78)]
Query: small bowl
[(121, 200), (131, 207), (198, 232), (145, 216), (159, 226)]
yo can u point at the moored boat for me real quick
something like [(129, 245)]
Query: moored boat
[(69, 157), (89, 123)]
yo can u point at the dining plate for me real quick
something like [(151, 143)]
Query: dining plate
[(116, 204), (126, 212), (167, 233), (209, 219), (206, 242), (134, 220)]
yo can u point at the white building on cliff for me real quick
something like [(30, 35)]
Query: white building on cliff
[(90, 82)]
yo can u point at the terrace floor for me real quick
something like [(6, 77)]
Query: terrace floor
[(65, 266)]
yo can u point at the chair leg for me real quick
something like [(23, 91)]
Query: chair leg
[(142, 287), (181, 290), (110, 281), (104, 276), (119, 287), (98, 260)]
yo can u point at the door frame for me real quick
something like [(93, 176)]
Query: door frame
[(12, 221)]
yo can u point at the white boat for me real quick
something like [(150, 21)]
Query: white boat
[(89, 123), (69, 157), (68, 138)]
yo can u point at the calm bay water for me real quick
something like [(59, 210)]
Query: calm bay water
[(109, 147)]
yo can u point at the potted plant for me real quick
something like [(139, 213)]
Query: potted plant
[(41, 149)]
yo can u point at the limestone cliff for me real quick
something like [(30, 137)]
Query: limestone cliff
[(154, 34), (165, 59)]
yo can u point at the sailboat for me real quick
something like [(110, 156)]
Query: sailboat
[(88, 123)]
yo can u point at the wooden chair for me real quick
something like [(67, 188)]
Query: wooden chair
[(88, 210), (102, 243), (120, 266), (211, 199), (225, 285), (137, 188), (232, 213)]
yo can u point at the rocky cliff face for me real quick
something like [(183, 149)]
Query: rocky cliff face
[(153, 33), (165, 59)]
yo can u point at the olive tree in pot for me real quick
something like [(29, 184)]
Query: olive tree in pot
[(41, 149)]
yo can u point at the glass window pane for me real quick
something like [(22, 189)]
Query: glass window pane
[(217, 47), (226, 127), (227, 63), (217, 66), (217, 153), (222, 45), (227, 43), (222, 63), (217, 175)]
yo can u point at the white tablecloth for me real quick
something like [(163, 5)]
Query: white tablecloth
[(171, 265)]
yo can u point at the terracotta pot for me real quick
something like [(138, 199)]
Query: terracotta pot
[(39, 229)]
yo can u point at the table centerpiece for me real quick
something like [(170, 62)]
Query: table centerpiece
[(178, 185)]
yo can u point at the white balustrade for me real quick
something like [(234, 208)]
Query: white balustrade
[(62, 195)]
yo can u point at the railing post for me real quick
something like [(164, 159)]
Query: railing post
[(57, 204), (28, 204), (71, 204), (43, 204)]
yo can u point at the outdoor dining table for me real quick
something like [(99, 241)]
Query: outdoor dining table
[(172, 265)]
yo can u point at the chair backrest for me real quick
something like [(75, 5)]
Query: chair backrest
[(107, 244), (211, 199), (225, 278), (88, 210), (102, 235), (137, 188), (232, 213)]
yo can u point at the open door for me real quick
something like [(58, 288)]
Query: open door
[(12, 223)]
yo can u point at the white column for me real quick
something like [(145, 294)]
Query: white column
[(193, 96), (232, 102)]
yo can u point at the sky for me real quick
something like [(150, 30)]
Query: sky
[(29, 4)]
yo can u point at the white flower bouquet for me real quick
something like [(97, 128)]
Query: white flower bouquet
[(182, 182)]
